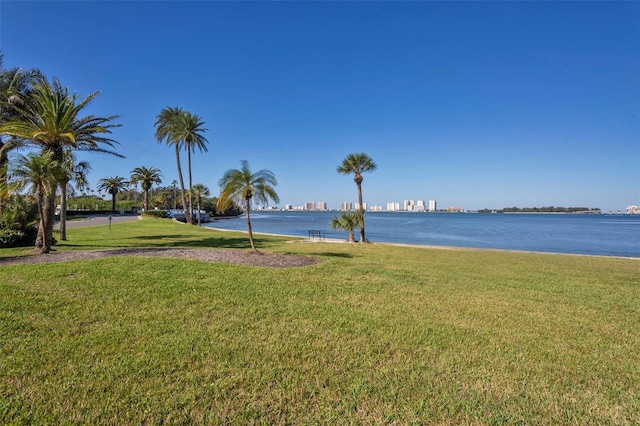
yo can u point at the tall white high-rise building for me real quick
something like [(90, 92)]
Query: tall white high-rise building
[(321, 205), (357, 206), (393, 206), (432, 205), (345, 205), (309, 206)]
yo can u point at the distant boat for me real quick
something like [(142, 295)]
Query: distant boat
[(182, 217)]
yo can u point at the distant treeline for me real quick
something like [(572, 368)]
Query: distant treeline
[(550, 209)]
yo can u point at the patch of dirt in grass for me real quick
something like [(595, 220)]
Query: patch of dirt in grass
[(240, 257)]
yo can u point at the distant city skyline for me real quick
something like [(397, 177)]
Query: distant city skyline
[(474, 104)]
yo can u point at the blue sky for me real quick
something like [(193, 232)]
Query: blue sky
[(473, 104)]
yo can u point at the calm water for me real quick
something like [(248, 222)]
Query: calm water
[(555, 233)]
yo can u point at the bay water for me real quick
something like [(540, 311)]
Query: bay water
[(590, 234)]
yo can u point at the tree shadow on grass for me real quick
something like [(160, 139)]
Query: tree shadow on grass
[(180, 241), (167, 241), (324, 254)]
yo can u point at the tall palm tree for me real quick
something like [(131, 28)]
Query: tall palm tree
[(112, 185), (347, 221), (240, 186), (199, 191), (358, 163), (50, 119), (15, 85), (146, 177), (190, 132), (73, 173), (167, 124), (38, 174)]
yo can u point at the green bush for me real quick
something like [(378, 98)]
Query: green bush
[(10, 237), (160, 214), (17, 237), (18, 222)]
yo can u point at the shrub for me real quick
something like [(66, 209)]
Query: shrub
[(160, 214), (18, 222), (17, 237)]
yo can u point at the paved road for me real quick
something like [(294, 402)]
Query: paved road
[(97, 220)]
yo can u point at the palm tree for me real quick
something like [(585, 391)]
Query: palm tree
[(146, 177), (199, 191), (74, 172), (181, 129), (240, 186), (112, 185), (167, 131), (357, 163), (49, 119), (190, 131), (173, 194), (38, 174), (347, 221), (15, 85)]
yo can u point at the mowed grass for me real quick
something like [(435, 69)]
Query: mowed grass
[(374, 334)]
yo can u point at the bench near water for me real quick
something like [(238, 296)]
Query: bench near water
[(316, 234)]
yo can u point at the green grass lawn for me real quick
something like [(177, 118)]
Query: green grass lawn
[(374, 334)]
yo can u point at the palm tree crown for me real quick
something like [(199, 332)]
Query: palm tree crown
[(50, 119), (241, 186), (358, 163), (146, 177)]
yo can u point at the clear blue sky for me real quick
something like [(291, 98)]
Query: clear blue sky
[(473, 104)]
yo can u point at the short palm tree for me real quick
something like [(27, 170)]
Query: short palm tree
[(347, 221), (241, 186), (358, 163), (74, 174), (198, 191), (38, 174), (146, 177), (112, 185), (49, 119)]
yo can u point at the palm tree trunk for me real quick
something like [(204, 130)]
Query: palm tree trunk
[(248, 205), (190, 179), (146, 200), (63, 211), (45, 231), (41, 228), (361, 210), (184, 198), (4, 162), (199, 219)]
